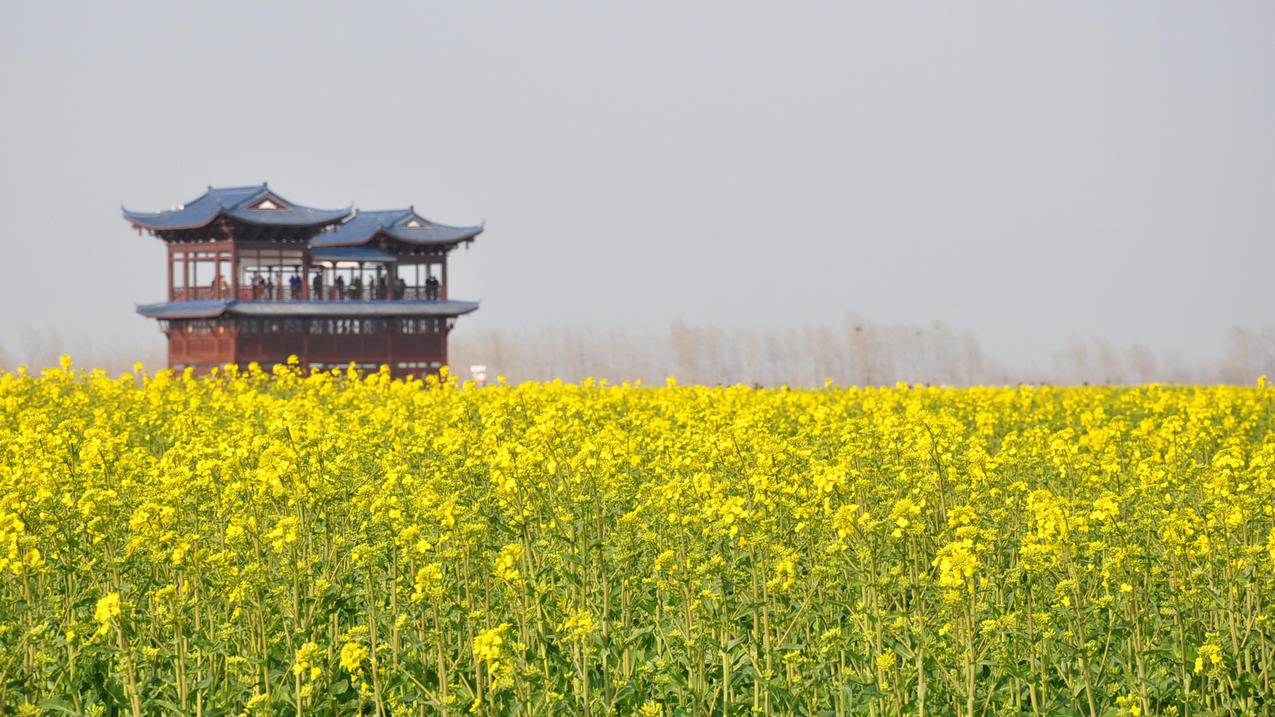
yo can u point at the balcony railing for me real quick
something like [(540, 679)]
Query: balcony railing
[(325, 293), (200, 293)]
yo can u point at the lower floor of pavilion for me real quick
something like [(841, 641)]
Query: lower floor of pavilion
[(409, 346)]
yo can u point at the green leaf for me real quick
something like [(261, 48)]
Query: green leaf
[(56, 705)]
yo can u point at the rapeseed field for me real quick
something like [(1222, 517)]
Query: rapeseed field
[(270, 543)]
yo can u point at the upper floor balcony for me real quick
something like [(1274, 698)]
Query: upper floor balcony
[(217, 279), (268, 291)]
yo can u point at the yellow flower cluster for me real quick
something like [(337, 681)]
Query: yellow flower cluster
[(956, 564), (578, 626), (489, 649), (274, 542), (507, 562)]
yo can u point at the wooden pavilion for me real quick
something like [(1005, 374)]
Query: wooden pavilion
[(255, 277)]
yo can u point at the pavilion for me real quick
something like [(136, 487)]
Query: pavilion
[(255, 277)]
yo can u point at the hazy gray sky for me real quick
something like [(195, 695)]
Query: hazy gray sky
[(1026, 171)]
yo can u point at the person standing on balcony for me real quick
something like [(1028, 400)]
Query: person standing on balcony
[(316, 286), (431, 288), (400, 288), (294, 286), (340, 287)]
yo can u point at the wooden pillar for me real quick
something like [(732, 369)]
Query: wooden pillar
[(169, 247), (218, 277), (390, 338), (234, 272), (231, 354), (442, 293), (305, 276), (442, 339), (185, 275)]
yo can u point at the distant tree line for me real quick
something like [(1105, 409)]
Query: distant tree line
[(853, 352)]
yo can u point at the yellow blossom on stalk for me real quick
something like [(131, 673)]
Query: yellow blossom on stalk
[(1129, 704), (886, 660), (904, 514), (1208, 656), (650, 709), (1105, 509), (352, 659), (257, 704), (106, 611), (578, 626), (428, 583), (784, 574), (352, 656), (489, 648), (303, 665), (507, 562), (956, 563)]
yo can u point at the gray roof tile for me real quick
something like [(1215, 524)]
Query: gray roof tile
[(397, 224), (302, 309), (237, 202)]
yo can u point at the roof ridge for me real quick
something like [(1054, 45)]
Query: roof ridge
[(398, 215), (263, 190), (263, 185), (221, 190)]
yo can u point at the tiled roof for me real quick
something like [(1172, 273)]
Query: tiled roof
[(337, 309), (183, 310), (302, 309), (242, 203), (352, 253), (404, 225)]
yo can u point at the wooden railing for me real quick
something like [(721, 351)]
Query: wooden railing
[(326, 293), (200, 293)]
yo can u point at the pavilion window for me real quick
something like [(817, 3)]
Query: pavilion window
[(178, 277), (267, 273), (201, 327)]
